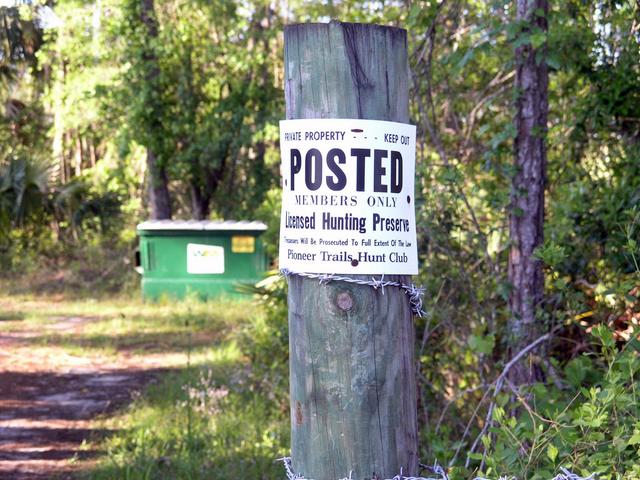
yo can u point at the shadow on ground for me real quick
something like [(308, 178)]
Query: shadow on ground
[(46, 417)]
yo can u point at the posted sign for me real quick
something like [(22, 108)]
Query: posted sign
[(348, 197)]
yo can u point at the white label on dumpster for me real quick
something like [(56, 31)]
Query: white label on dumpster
[(204, 259), (348, 197)]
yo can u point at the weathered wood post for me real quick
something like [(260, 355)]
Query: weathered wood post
[(353, 389)]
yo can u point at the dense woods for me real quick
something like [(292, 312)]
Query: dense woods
[(528, 191)]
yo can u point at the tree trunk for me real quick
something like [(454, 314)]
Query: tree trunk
[(58, 144), (66, 157), (199, 202), (158, 189), (79, 154), (353, 387), (526, 220), (92, 152)]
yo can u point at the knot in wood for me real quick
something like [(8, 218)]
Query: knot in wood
[(345, 301), (299, 416)]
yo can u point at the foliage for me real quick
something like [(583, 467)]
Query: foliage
[(42, 210), (23, 186), (169, 438), (589, 425), (20, 38), (214, 419), (265, 342), (82, 108), (206, 104), (462, 79), (269, 213)]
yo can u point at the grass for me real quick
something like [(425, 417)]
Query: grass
[(211, 416), (170, 434), (123, 324)]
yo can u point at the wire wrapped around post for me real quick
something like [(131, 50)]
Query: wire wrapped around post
[(414, 293), (436, 470)]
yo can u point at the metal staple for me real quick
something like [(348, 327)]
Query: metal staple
[(414, 293)]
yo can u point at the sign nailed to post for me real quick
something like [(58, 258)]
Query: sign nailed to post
[(348, 197)]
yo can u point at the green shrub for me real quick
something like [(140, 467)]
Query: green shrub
[(589, 423)]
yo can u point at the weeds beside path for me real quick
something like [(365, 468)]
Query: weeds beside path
[(67, 366)]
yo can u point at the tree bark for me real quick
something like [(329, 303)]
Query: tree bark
[(200, 202), (526, 220), (158, 188), (79, 154)]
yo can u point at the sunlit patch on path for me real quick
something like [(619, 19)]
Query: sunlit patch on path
[(50, 399)]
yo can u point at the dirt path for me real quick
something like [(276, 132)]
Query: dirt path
[(50, 400)]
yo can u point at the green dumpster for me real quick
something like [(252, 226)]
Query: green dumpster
[(208, 258)]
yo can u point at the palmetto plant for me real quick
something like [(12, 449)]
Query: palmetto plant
[(29, 197), (83, 208), (24, 184)]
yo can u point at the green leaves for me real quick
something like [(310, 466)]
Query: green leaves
[(538, 39), (635, 438), (199, 94), (23, 185), (551, 254), (589, 415), (604, 335), (552, 452), (482, 344), (576, 371)]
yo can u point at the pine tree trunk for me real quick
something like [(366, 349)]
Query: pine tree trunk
[(526, 220), (158, 189), (199, 202)]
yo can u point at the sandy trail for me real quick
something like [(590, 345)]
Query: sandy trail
[(50, 400)]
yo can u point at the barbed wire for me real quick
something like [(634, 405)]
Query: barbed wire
[(412, 291), (563, 475), (435, 469)]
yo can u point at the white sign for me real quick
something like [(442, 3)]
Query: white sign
[(348, 197), (202, 259)]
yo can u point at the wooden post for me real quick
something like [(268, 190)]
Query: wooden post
[(353, 389)]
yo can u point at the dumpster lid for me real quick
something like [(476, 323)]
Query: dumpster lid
[(202, 225)]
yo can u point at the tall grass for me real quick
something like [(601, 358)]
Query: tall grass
[(220, 416), (237, 435)]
